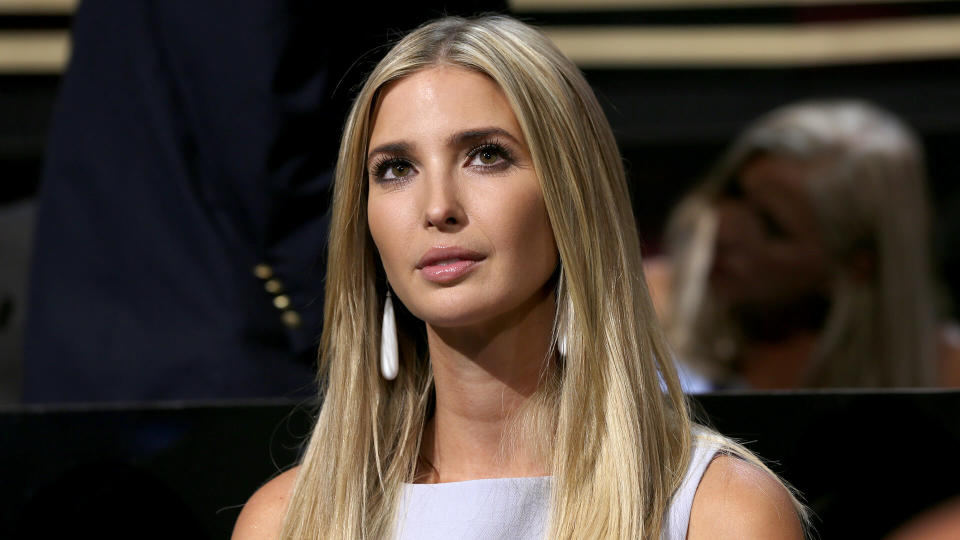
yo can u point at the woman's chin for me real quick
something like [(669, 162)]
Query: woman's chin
[(454, 320)]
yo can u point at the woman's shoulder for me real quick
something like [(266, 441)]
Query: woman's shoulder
[(738, 499), (262, 515)]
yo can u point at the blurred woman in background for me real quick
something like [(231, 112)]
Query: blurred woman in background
[(803, 259)]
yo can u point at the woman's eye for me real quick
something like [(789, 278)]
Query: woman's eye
[(393, 169), (488, 156), (399, 170)]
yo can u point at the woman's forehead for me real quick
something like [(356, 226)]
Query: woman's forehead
[(440, 100)]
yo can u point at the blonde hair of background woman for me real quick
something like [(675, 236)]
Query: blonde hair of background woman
[(869, 193), (615, 440)]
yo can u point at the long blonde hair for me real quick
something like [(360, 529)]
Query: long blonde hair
[(869, 193), (617, 423)]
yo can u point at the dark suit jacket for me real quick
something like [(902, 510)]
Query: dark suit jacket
[(192, 144)]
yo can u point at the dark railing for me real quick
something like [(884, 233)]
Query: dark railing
[(864, 461)]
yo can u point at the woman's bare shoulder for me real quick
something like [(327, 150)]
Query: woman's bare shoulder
[(262, 516), (737, 499)]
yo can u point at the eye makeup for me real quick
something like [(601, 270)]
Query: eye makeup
[(478, 157), (390, 168), (490, 156)]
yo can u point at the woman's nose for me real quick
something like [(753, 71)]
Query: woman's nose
[(443, 209)]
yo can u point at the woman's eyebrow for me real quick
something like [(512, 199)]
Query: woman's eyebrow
[(457, 139), (400, 147), (472, 135)]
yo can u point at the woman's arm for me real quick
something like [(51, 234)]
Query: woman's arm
[(738, 500), (262, 516)]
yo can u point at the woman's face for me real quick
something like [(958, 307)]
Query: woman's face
[(769, 249), (454, 206)]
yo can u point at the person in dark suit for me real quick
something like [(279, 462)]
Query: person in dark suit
[(183, 201), (182, 206)]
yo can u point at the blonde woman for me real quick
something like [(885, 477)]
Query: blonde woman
[(491, 363), (803, 258)]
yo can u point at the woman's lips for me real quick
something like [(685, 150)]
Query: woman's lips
[(445, 273), (447, 264)]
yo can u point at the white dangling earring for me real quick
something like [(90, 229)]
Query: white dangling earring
[(389, 352), (563, 332)]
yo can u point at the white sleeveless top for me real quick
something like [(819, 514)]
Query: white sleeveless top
[(516, 508)]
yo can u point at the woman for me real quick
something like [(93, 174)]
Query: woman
[(803, 258), (480, 198)]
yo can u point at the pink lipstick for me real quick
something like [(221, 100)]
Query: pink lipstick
[(446, 264)]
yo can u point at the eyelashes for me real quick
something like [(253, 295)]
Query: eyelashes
[(489, 157), (390, 168), (495, 150)]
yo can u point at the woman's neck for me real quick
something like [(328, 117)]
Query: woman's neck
[(482, 376), (778, 342)]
